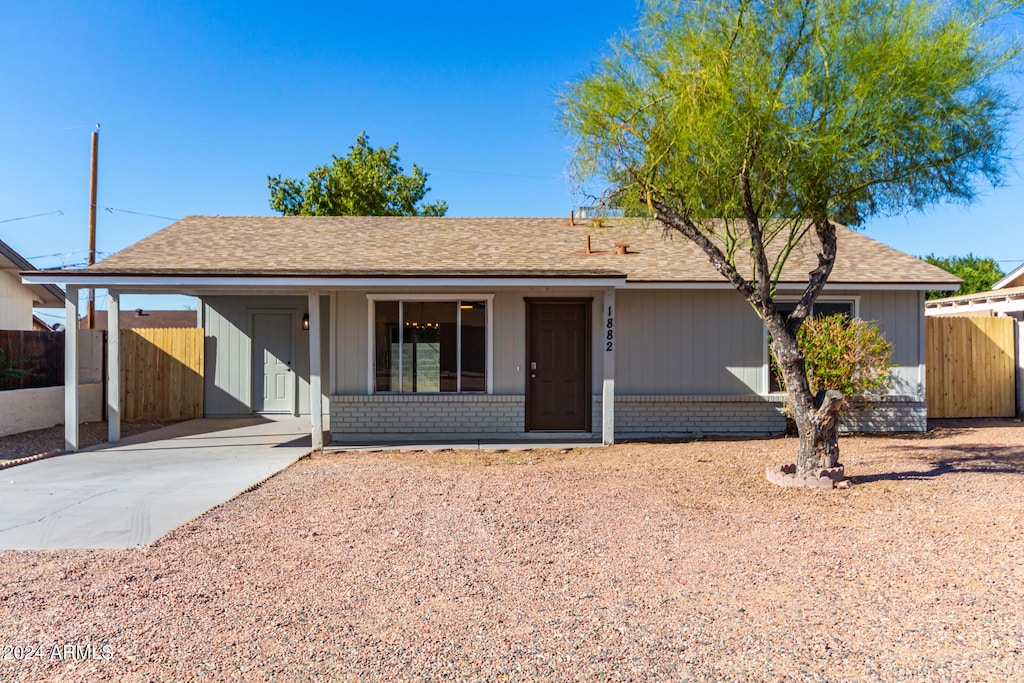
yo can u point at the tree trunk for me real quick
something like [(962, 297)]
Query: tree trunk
[(816, 416)]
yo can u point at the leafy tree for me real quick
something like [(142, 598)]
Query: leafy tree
[(750, 126), (978, 274), (367, 182)]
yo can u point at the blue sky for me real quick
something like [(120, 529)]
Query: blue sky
[(199, 101)]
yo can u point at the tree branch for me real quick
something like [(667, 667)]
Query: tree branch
[(761, 271), (685, 226), (817, 278)]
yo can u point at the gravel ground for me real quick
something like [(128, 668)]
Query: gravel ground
[(634, 562), (52, 438)]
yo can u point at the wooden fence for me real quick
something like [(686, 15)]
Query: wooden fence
[(162, 373), (31, 359), (970, 366)]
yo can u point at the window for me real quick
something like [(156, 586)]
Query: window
[(430, 346), (821, 308)]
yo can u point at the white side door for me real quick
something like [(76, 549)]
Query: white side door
[(273, 345)]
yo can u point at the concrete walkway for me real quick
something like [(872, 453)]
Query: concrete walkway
[(134, 492)]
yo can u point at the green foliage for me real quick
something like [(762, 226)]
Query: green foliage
[(752, 118), (10, 372), (366, 182), (846, 354), (978, 274)]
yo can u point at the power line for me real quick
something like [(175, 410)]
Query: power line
[(37, 215), (57, 255), (112, 209)]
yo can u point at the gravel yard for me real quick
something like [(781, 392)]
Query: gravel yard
[(38, 441), (634, 562)]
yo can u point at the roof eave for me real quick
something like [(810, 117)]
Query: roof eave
[(190, 282), (1010, 277)]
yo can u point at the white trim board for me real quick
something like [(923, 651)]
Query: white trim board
[(795, 287), (214, 284), (182, 282)]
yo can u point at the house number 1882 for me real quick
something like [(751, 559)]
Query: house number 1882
[(609, 335)]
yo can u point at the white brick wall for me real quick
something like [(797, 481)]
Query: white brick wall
[(427, 414)]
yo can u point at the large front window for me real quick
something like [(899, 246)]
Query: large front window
[(430, 346)]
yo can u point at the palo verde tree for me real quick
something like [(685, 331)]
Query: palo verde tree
[(751, 126), (978, 274), (366, 182)]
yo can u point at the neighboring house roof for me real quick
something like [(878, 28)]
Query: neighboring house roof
[(140, 318), (43, 295), (40, 325), (1015, 278), (1007, 300), (381, 247)]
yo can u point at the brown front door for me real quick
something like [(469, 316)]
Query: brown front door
[(558, 364)]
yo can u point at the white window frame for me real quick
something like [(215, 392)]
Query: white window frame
[(371, 358), (766, 372)]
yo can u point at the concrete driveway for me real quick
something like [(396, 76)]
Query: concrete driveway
[(136, 491)]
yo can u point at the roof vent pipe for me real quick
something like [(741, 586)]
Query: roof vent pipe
[(587, 250), (572, 218), (621, 248)]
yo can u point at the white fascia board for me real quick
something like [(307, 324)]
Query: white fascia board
[(163, 283), (129, 282), (962, 307), (1010, 277), (994, 302), (794, 287)]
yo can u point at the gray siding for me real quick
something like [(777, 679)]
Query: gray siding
[(349, 358), (688, 342), (228, 324), (900, 317)]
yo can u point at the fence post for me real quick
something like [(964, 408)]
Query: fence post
[(1020, 368)]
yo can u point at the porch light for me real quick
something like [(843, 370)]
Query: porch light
[(305, 322)]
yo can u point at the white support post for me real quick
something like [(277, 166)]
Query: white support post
[(608, 343), (316, 402), (71, 369), (332, 344), (113, 365)]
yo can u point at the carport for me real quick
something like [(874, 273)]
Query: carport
[(133, 492)]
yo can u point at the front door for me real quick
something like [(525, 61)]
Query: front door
[(558, 364), (272, 353)]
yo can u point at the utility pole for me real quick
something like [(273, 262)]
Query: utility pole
[(91, 316)]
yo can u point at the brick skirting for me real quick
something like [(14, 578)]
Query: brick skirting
[(635, 416), (428, 414)]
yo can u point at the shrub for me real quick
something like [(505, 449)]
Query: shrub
[(846, 354)]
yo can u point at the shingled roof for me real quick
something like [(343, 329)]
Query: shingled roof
[(353, 246)]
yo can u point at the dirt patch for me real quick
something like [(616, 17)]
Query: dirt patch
[(38, 441), (634, 562)]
